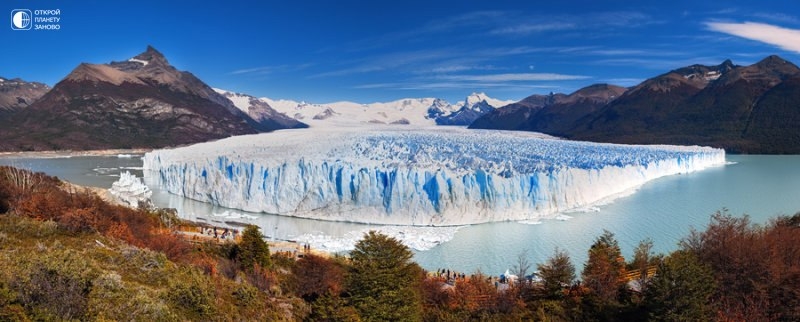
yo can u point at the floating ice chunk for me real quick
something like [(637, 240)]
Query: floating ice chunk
[(130, 190), (417, 238), (562, 217)]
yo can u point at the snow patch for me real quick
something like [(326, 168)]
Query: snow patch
[(143, 62)]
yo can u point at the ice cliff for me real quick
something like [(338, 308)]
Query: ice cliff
[(419, 176)]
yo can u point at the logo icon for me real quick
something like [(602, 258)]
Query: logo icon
[(21, 19)]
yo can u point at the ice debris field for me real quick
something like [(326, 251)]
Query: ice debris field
[(414, 176)]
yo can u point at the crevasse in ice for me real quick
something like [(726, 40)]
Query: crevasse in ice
[(414, 176)]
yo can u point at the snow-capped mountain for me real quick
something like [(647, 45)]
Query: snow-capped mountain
[(413, 111), (473, 107), (261, 111)]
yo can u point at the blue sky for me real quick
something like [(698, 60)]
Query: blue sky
[(366, 51)]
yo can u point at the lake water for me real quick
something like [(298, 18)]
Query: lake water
[(664, 210)]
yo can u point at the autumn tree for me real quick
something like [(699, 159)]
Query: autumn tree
[(316, 276), (604, 276), (756, 268), (604, 272), (643, 257), (252, 250), (384, 282), (682, 289), (557, 273)]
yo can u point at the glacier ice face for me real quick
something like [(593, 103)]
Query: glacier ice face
[(419, 176)]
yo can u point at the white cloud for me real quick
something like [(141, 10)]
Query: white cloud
[(514, 77), (525, 29), (460, 68), (784, 38), (255, 70)]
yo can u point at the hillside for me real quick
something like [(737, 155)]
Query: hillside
[(142, 102), (16, 94), (744, 109), (67, 255)]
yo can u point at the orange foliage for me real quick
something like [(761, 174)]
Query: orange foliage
[(262, 278), (41, 197), (757, 269), (206, 263), (315, 276), (120, 231)]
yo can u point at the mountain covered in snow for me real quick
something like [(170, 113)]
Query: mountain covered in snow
[(409, 111), (413, 175), (261, 111), (141, 102)]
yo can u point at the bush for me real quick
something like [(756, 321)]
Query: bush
[(55, 285), (113, 299), (315, 276), (192, 291)]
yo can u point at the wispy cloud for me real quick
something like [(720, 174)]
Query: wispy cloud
[(391, 61), (263, 70), (529, 28), (459, 68), (777, 17), (514, 77), (538, 24), (254, 70), (618, 52), (784, 38)]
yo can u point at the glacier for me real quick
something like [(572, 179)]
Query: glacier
[(426, 176)]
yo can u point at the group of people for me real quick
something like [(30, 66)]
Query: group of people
[(449, 276), (229, 234)]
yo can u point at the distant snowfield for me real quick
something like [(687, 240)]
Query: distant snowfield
[(408, 111), (418, 176)]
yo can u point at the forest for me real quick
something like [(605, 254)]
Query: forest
[(66, 254)]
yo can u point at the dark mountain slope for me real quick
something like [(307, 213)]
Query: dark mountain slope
[(143, 102)]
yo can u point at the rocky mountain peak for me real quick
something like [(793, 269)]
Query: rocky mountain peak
[(727, 65), (151, 55), (775, 63)]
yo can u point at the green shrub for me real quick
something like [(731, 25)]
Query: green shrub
[(190, 290), (55, 284)]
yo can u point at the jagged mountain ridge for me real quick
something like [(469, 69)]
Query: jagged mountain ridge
[(547, 113), (414, 111), (261, 111), (744, 109), (143, 102)]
